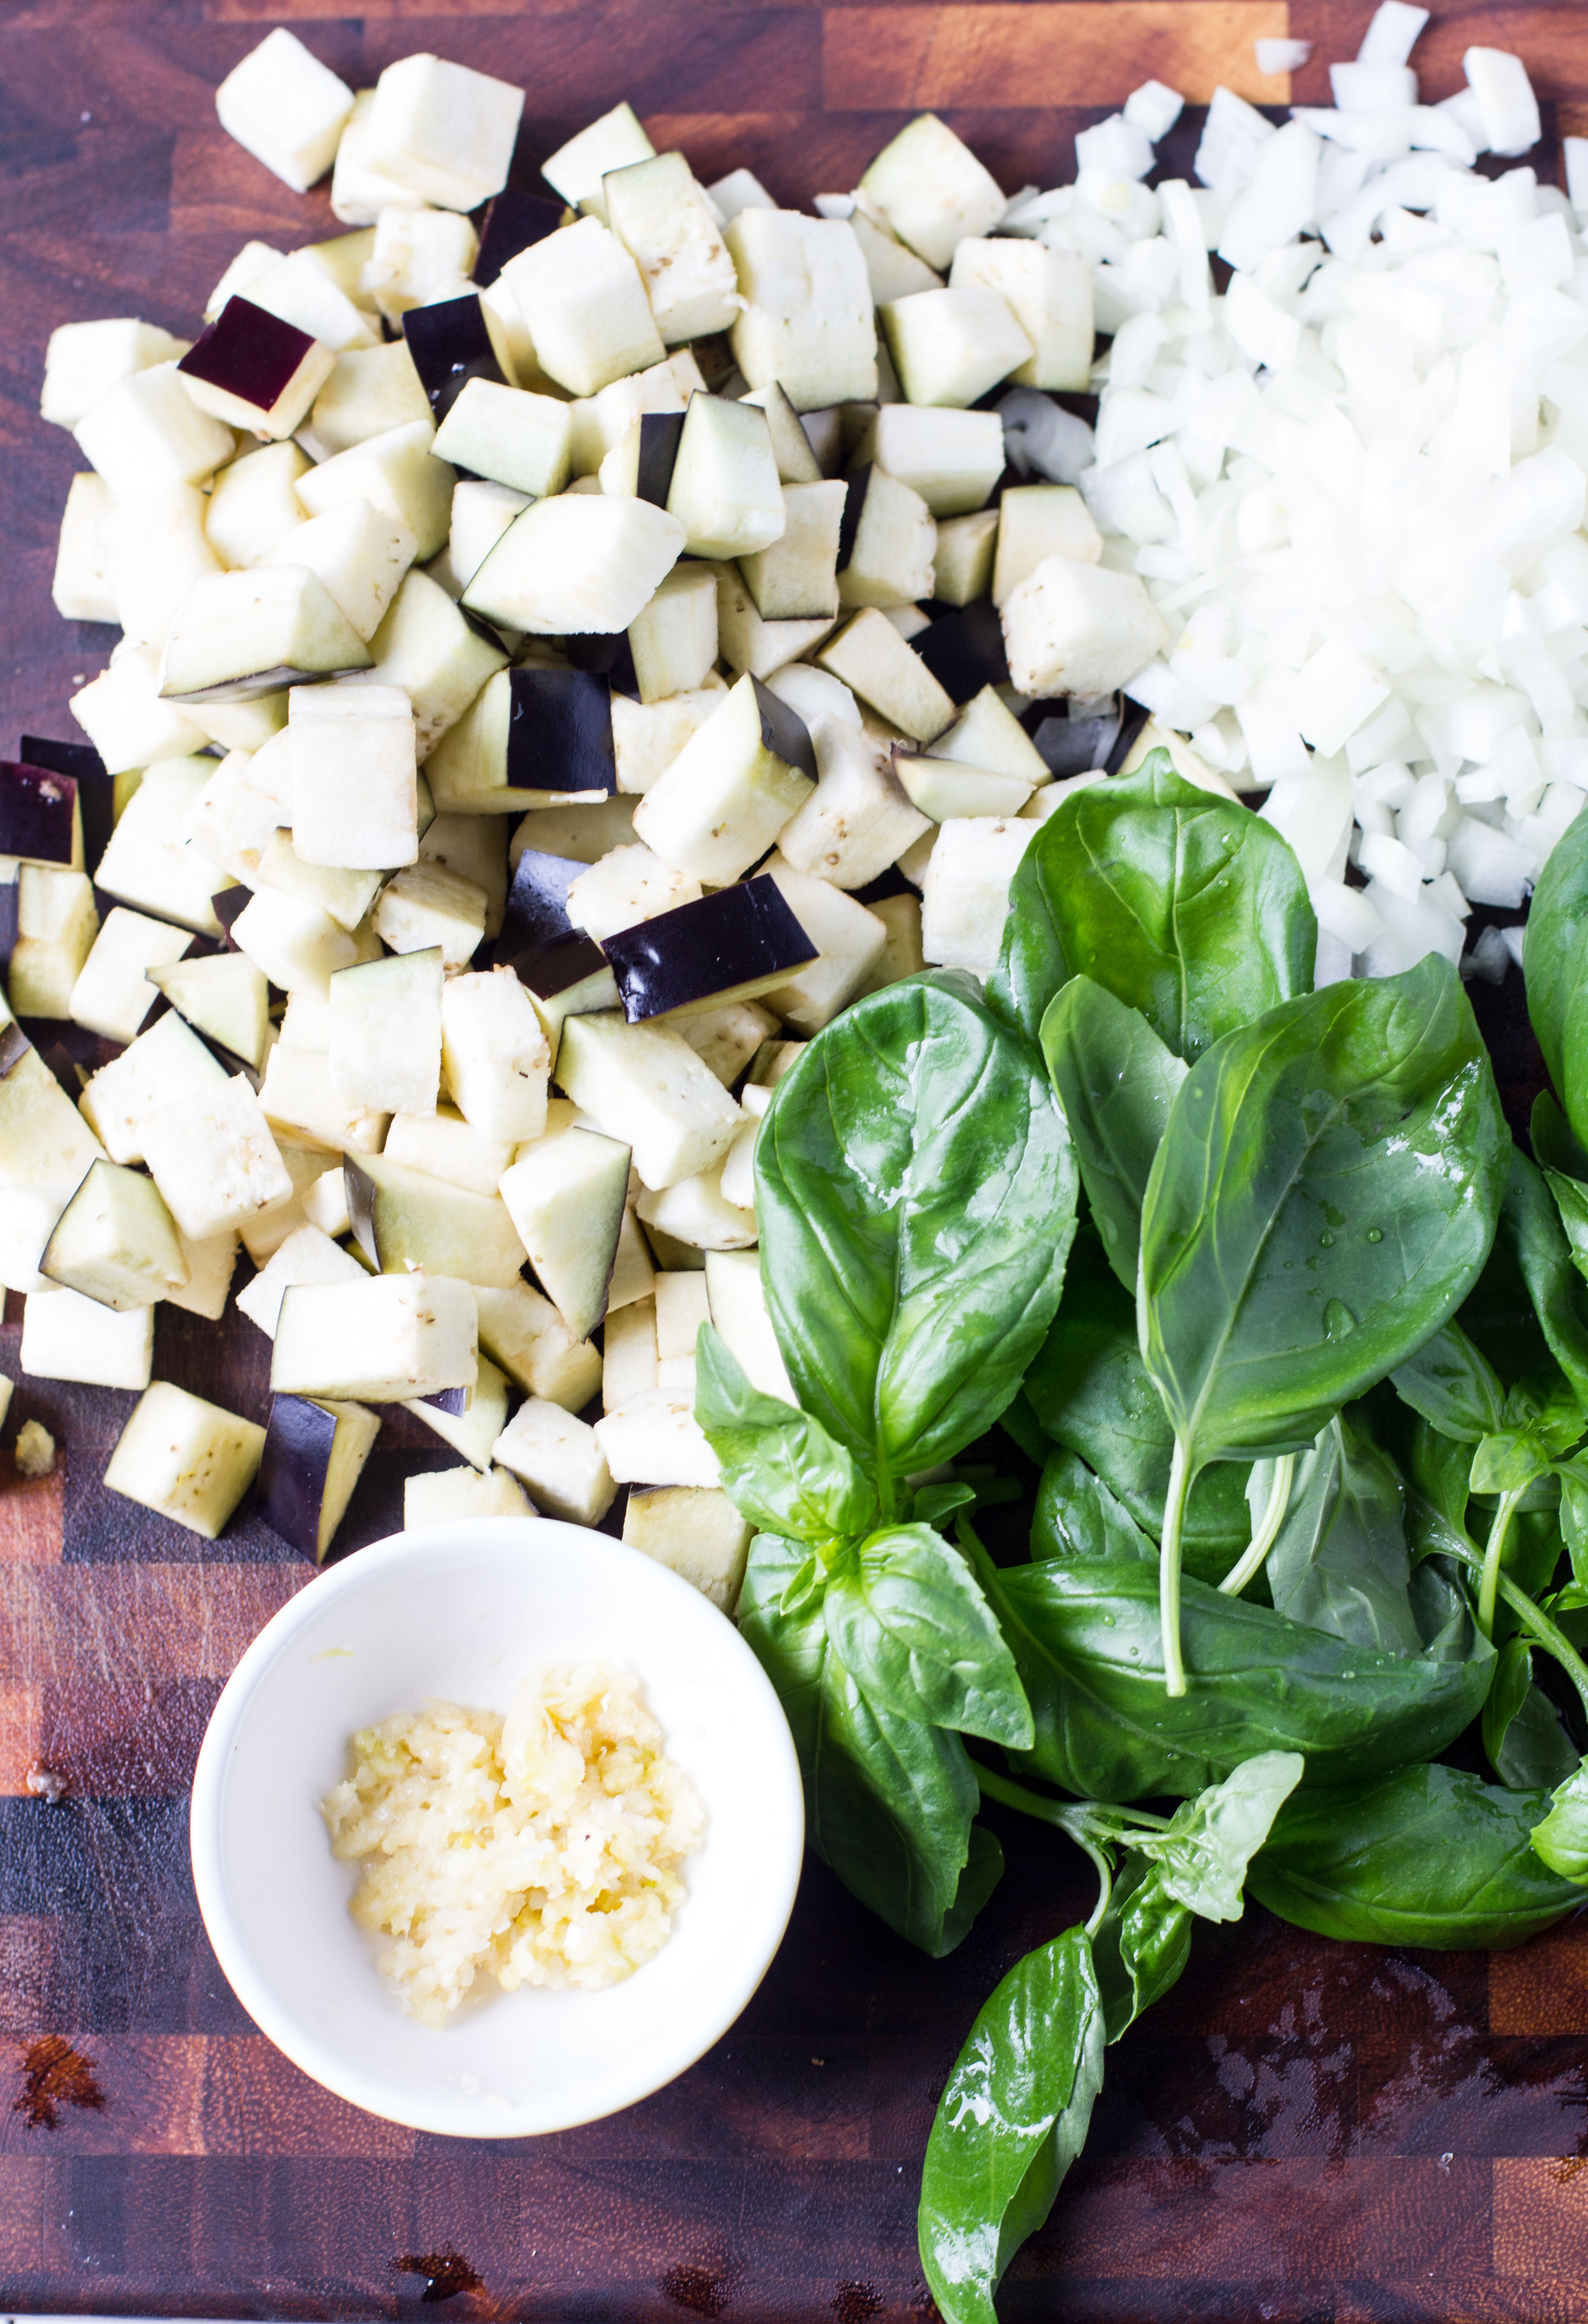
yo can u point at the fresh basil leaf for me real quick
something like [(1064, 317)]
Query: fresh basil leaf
[(1452, 1383), (1141, 1945), (931, 1503), (1020, 1421), (1186, 907), (1441, 1467), (1573, 1514), (907, 1619), (782, 1469), (916, 1195), (1533, 1236), (1090, 1388), (1570, 1201), (1340, 1562), (1508, 1690), (889, 1802), (1011, 2120), (1561, 1837), (1077, 1515), (1201, 1860), (1116, 1082), (1426, 1856), (1536, 1751), (1507, 1464), (1555, 1145), (1088, 1645), (1030, 958), (1557, 947), (1324, 1198)]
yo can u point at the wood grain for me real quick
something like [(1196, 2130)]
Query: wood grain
[(1300, 2131)]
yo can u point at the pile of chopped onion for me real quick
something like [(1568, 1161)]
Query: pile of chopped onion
[(1354, 482)]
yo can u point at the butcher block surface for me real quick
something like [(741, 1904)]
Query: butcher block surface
[(1300, 2132)]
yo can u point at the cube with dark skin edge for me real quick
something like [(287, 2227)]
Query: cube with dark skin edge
[(513, 222), (964, 651), (38, 813), (559, 732), (450, 345), (248, 352), (743, 939), (536, 914)]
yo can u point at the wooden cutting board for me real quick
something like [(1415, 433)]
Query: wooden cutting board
[(1301, 2131)]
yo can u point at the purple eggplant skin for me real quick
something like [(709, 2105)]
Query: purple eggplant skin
[(450, 344), (38, 813), (682, 957), (853, 508), (96, 786), (454, 1400), (292, 1470), (605, 653), (513, 222), (783, 731), (228, 905), (1075, 746), (14, 1045), (559, 732), (248, 352), (547, 973), (535, 915), (659, 436), (359, 1190), (964, 650)]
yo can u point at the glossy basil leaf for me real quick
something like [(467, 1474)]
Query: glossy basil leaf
[(1032, 965), (782, 1469), (1536, 1751), (1453, 1384), (889, 1802), (1201, 1860), (916, 1195), (1552, 971), (1340, 1562), (1186, 907), (1088, 1644), (1573, 1514), (1426, 1856), (1324, 1198), (1440, 1467), (931, 1503), (1116, 1082), (1533, 1238), (1508, 1690), (1544, 1406), (1571, 1202), (1507, 1464), (1077, 1515), (1561, 1837), (1141, 1945), (1011, 2120), (1091, 1391), (907, 1619), (1555, 1145)]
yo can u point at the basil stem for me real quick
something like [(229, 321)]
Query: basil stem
[(1169, 1569), (1250, 1560), (1493, 1550)]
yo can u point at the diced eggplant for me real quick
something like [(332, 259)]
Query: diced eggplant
[(116, 1241), (664, 220), (468, 1420), (962, 563), (859, 819), (697, 1212), (964, 651), (56, 927), (451, 342), (185, 1459), (449, 1495), (750, 644), (584, 306), (947, 789), (695, 1531), (536, 918), (560, 733), (950, 346), (576, 563), (628, 1361), (791, 446), (307, 1255), (1075, 746), (113, 994), (885, 541), (385, 1034), (96, 791), (560, 1460), (436, 653), (987, 733), (965, 900), (649, 737), (514, 221), (444, 1145), (726, 1036), (40, 817), (732, 786), (724, 486), (808, 322), (361, 553), (796, 579), (1050, 293), (252, 370), (67, 1336), (169, 1061), (495, 1054), (850, 941), (932, 191), (673, 641), (1079, 629), (577, 168), (566, 1194), (243, 634), (428, 905), (656, 1439), (522, 1331), (383, 1341), (214, 1160), (587, 829), (355, 798), (508, 437), (313, 1457), (643, 1084), (396, 472), (739, 1311), (1036, 521), (731, 946), (148, 864), (148, 431), (953, 459), (656, 453), (404, 1220), (570, 980)]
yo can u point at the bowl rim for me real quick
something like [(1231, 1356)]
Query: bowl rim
[(359, 1569)]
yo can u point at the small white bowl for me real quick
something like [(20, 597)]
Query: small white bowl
[(463, 1611)]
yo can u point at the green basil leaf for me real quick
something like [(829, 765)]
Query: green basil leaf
[(1324, 1198), (1508, 1690), (782, 1469), (1573, 1516), (1556, 949), (1077, 1515), (1544, 1406), (907, 1619), (1091, 1390), (1340, 1562), (916, 1193), (1011, 2120), (931, 1503), (1030, 958), (1201, 1860), (1426, 1856), (889, 1802), (1561, 1839), (1555, 1145), (1452, 1383), (1441, 1467), (1088, 1644), (1570, 1201), (1142, 1944), (1533, 1238), (1536, 1752), (1507, 1464), (1116, 1082), (1186, 907)]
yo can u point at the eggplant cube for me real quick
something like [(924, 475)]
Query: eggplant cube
[(944, 790), (584, 304), (56, 928), (210, 1266), (647, 737), (628, 887), (124, 717), (524, 1333), (360, 552), (83, 361), (643, 1084), (293, 943), (988, 734), (673, 638), (359, 192), (796, 578), (345, 897), (791, 446), (185, 1459), (850, 941), (950, 346), (404, 1218), (427, 905), (533, 736), (166, 1062), (952, 459), (577, 168), (67, 1336), (241, 634), (739, 1311), (444, 1145), (661, 217), (116, 1241), (254, 371), (932, 191), (286, 107), (449, 1495), (452, 342), (965, 901), (148, 431), (728, 946), (509, 437), (297, 1093), (1049, 292), (695, 1531), (577, 564), (148, 864), (859, 819), (901, 956), (886, 543), (808, 324), (869, 655), (565, 1195), (439, 658), (536, 916), (307, 1255), (385, 1048), (443, 131), (1079, 629), (753, 646), (724, 489), (472, 1431), (113, 994), (628, 1361), (654, 1439), (962, 564), (481, 514), (81, 586), (732, 786), (313, 1458), (496, 1054), (1036, 521), (354, 800), (383, 1341), (726, 1036), (560, 1460), (214, 1160), (397, 473), (513, 222), (965, 651), (697, 1213), (253, 506)]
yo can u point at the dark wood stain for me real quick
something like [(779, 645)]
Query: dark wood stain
[(55, 2075), (700, 2290), (447, 2273), (851, 2303)]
